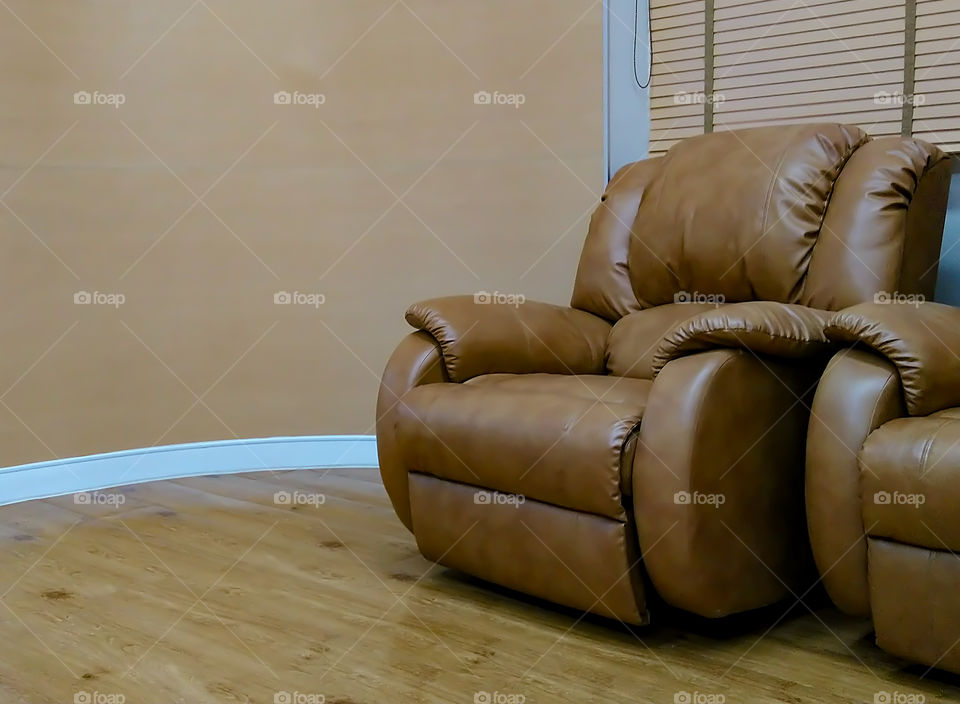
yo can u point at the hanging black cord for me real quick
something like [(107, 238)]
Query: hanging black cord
[(636, 32)]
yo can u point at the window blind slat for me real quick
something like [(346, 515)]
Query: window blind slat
[(866, 34), (728, 66), (810, 19), (856, 49), (731, 9)]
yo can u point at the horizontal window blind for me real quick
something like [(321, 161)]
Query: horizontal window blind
[(890, 66), (677, 73), (936, 89), (780, 61)]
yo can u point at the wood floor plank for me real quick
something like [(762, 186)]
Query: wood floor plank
[(208, 589)]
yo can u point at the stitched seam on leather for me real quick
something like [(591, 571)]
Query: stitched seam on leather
[(773, 183), (928, 447)]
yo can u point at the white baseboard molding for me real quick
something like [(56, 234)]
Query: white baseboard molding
[(40, 480)]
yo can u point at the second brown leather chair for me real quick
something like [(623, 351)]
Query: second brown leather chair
[(651, 436), (883, 475)]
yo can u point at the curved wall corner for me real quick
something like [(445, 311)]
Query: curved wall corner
[(92, 472)]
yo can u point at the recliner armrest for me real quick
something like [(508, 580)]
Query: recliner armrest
[(477, 337), (921, 340), (782, 330)]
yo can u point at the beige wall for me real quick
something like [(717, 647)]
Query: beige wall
[(99, 199)]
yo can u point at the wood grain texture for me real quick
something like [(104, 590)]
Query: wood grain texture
[(208, 590)]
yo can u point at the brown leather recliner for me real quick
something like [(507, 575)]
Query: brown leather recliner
[(651, 436), (883, 474)]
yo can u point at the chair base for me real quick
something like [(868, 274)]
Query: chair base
[(581, 560), (913, 597)]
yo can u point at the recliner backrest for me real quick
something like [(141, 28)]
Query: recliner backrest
[(817, 214)]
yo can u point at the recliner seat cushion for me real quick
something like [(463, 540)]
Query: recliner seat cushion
[(560, 439)]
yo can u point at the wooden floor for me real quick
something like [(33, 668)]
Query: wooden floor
[(208, 590)]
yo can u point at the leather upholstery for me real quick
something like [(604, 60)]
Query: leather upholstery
[(487, 338), (857, 393), (910, 477), (416, 361), (882, 231), (711, 268), (905, 485), (544, 440), (583, 561), (762, 327), (922, 341), (714, 421), (910, 482), (915, 607), (737, 213), (634, 339), (603, 283)]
